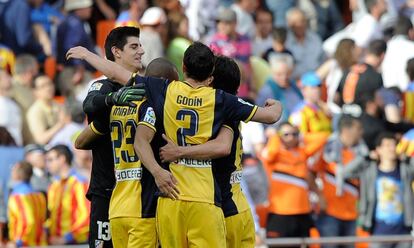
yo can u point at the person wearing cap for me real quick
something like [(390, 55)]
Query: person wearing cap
[(153, 28), (228, 42), (35, 155), (310, 115), (72, 32)]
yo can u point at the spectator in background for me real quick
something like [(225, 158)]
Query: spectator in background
[(82, 160), (363, 31), (278, 44), (153, 22), (7, 59), (11, 115), (311, 115), (332, 70), (25, 71), (373, 118), (362, 78), (279, 9), (16, 28), (74, 31), (46, 116), (390, 210), (285, 159), (408, 95), (66, 198), (26, 209), (179, 40), (44, 14), (262, 41), (324, 16), (228, 42), (305, 45), (75, 119), (400, 50), (36, 156), (132, 15), (244, 10), (280, 87), (343, 149), (201, 17)]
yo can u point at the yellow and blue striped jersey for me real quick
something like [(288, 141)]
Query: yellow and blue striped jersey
[(229, 172), (190, 116), (134, 192)]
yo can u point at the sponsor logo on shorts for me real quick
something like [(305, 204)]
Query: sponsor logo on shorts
[(194, 163), (99, 243), (128, 174), (236, 177)]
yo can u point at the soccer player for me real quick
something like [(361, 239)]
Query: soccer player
[(133, 201), (240, 230), (26, 209), (191, 113), (68, 208), (123, 47)]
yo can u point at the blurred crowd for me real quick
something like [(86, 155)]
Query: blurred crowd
[(343, 71)]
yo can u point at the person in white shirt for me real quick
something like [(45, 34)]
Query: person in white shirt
[(399, 50), (305, 44), (245, 22), (363, 31), (11, 116), (263, 39)]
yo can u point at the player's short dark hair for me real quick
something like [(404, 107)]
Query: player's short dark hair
[(369, 4), (377, 47), (347, 121), (410, 69), (226, 75), (403, 25), (161, 68), (25, 170), (279, 34), (198, 61), (382, 136), (118, 38), (64, 151)]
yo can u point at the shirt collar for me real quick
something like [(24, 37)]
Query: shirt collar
[(22, 188)]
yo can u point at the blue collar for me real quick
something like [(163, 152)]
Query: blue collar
[(22, 188)]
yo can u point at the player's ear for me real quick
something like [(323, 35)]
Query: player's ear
[(184, 68), (210, 81), (115, 51)]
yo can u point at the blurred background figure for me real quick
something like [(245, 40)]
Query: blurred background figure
[(279, 36), (74, 31), (132, 14), (26, 209), (153, 26), (36, 156), (67, 205), (262, 41), (46, 117), (244, 10)]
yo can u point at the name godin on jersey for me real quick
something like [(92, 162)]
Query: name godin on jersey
[(193, 102)]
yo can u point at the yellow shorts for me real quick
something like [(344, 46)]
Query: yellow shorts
[(240, 230), (134, 232), (183, 224)]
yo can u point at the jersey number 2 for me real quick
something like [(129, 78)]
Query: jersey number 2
[(192, 130)]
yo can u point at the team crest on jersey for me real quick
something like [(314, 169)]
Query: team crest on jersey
[(244, 102), (150, 116), (95, 86)]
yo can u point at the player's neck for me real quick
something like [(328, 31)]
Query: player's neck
[(196, 83)]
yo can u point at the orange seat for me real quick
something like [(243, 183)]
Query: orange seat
[(314, 233), (361, 233), (102, 30), (50, 67)]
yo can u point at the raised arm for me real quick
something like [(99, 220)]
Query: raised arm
[(270, 113), (164, 179), (216, 148), (110, 69)]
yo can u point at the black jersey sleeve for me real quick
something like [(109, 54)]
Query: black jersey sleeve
[(94, 103)]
